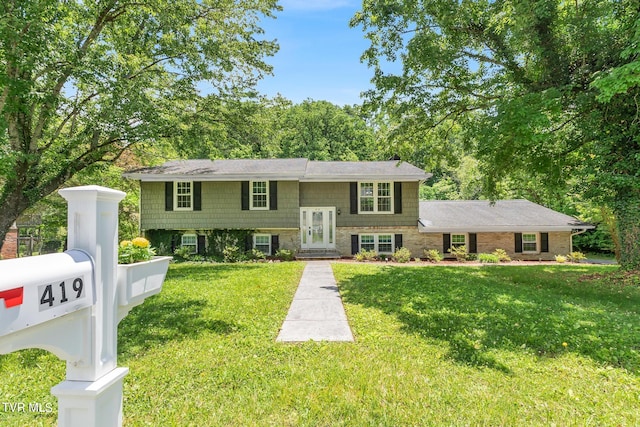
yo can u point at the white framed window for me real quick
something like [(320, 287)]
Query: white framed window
[(183, 196), (529, 242), (259, 195), (458, 240), (262, 242), (190, 241), (381, 243), (375, 197)]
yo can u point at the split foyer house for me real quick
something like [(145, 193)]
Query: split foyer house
[(338, 208)]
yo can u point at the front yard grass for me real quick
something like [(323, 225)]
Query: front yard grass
[(496, 345)]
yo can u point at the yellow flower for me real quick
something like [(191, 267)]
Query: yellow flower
[(140, 242), (564, 344), (125, 243)]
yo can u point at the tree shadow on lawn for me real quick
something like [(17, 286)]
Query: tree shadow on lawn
[(540, 310)]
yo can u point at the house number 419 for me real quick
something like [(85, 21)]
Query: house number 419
[(56, 294)]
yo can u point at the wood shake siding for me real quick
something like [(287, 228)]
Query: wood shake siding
[(337, 194), (221, 208)]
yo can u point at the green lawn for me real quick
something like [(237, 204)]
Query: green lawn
[(494, 345)]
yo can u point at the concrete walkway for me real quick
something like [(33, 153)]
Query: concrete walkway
[(316, 312)]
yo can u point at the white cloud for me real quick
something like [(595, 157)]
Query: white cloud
[(316, 4)]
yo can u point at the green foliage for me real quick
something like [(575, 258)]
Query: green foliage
[(182, 253), (256, 255), (401, 255), (162, 240), (433, 255), (366, 255), (84, 82), (136, 250), (285, 255), (219, 240), (511, 85), (502, 255), (459, 252), (576, 257), (233, 254), (489, 258)]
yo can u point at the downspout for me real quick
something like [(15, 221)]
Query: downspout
[(580, 231)]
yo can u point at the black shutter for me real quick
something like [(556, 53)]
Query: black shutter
[(446, 243), (202, 245), (175, 238), (544, 242), (398, 241), (245, 195), (273, 195), (397, 197), (275, 243), (518, 237), (473, 243), (168, 196), (353, 197), (197, 196), (248, 242), (354, 244)]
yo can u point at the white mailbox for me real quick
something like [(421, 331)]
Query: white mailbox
[(38, 289)]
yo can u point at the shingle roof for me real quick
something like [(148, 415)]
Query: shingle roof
[(282, 169), (481, 215)]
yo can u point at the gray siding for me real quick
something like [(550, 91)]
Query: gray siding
[(221, 208), (329, 194)]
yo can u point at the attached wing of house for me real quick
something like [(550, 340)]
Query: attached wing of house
[(524, 229), (335, 208)]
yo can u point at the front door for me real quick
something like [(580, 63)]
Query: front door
[(318, 228)]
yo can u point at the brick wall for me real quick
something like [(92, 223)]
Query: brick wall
[(10, 245)]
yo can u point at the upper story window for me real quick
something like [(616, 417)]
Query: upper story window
[(259, 195), (375, 197), (183, 195)]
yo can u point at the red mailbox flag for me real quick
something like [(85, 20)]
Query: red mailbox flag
[(12, 297)]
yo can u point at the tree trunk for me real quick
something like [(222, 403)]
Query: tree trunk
[(627, 211), (12, 207)]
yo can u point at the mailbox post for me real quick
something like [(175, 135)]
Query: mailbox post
[(69, 304)]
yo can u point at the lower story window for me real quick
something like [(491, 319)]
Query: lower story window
[(262, 242), (381, 243), (529, 242), (190, 241), (458, 240)]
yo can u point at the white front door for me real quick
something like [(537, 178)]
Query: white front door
[(318, 228)]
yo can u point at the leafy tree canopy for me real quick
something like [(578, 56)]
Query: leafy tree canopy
[(545, 90), (83, 81)]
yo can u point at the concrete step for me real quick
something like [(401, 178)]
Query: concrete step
[(315, 254)]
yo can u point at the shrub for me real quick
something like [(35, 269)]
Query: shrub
[(365, 255), (433, 255), (561, 259), (576, 257), (489, 258), (284, 255), (233, 254), (402, 255), (136, 250), (183, 253), (502, 255), (257, 255), (460, 252)]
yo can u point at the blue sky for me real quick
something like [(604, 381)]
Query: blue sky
[(319, 55)]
